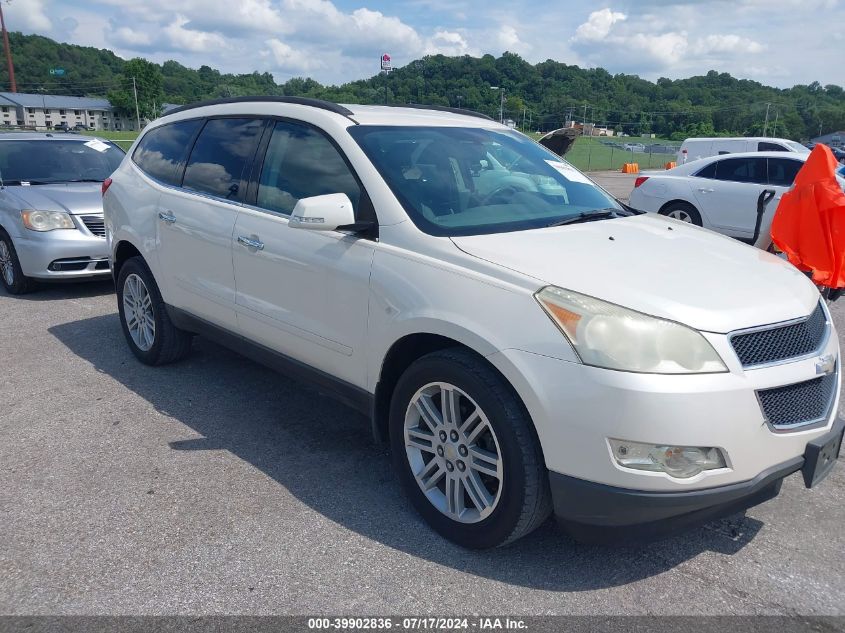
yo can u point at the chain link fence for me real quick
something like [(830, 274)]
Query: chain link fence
[(609, 154)]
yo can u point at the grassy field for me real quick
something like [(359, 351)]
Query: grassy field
[(123, 139)]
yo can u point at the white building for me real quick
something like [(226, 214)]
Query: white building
[(43, 111)]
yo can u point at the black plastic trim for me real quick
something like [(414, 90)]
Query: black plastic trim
[(439, 108), (350, 395), (594, 512), (314, 103)]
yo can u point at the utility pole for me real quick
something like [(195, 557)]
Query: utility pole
[(523, 118), (766, 124), (775, 126), (501, 102), (8, 50), (137, 111)]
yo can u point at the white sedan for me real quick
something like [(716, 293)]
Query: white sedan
[(720, 192)]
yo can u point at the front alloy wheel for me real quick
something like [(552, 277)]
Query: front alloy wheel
[(7, 269), (453, 452), (466, 450)]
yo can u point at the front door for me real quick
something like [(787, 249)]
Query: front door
[(300, 292)]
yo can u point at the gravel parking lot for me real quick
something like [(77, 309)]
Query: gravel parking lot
[(217, 486)]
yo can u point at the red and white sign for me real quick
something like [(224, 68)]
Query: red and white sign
[(385, 63)]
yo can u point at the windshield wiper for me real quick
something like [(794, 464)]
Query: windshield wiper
[(589, 216)]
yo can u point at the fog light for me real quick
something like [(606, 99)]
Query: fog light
[(677, 461)]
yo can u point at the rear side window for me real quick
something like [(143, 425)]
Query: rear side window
[(742, 170), (708, 172), (782, 171), (764, 146), (223, 151), (300, 163), (161, 153)]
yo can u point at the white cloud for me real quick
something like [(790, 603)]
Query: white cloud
[(732, 44), (336, 42), (27, 16), (598, 25), (291, 60), (446, 43), (181, 38)]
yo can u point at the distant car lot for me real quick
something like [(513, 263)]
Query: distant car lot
[(218, 485)]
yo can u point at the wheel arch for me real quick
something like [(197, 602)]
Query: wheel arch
[(666, 205), (122, 252), (405, 351)]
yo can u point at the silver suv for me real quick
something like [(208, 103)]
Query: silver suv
[(51, 212)]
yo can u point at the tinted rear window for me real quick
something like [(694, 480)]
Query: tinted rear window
[(223, 150), (161, 153)]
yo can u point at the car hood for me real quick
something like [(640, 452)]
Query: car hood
[(658, 266), (72, 197)]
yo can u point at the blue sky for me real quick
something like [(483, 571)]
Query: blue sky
[(777, 42)]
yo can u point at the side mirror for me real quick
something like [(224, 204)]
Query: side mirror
[(322, 213)]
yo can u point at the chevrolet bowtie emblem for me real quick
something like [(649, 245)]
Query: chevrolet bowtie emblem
[(825, 364)]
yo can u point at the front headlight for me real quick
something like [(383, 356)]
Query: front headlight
[(46, 220), (607, 335)]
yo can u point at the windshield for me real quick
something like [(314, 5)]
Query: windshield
[(469, 181), (47, 161)]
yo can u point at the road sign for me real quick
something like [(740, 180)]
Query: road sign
[(385, 63), (57, 71)]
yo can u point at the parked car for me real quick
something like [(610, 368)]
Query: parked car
[(720, 193), (61, 127), (524, 341), (697, 148), (634, 147), (51, 213), (81, 127)]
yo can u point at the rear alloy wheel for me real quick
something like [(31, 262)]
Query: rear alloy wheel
[(683, 212), (466, 450), (151, 335), (11, 274)]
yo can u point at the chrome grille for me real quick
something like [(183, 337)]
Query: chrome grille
[(95, 224), (800, 403), (783, 342)]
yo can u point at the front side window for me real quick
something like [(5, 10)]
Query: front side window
[(752, 170), (300, 163), (222, 152), (162, 151), (782, 171), (48, 161), (471, 181)]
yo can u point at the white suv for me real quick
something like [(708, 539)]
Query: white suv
[(526, 342)]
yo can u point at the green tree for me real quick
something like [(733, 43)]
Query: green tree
[(149, 84)]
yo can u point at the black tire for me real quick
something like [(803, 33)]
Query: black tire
[(170, 344), (684, 207), (525, 499), (21, 284)]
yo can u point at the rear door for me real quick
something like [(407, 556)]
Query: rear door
[(729, 198), (303, 293), (196, 220)]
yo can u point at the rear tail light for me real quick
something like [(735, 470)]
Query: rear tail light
[(640, 180), (106, 185)]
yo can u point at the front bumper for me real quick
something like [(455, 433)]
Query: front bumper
[(594, 512), (62, 254)]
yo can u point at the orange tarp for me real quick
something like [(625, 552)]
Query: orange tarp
[(809, 224)]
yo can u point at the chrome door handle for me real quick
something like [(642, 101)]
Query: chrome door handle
[(704, 190), (166, 216), (251, 243)]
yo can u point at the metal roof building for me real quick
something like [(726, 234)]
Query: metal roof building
[(45, 111)]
